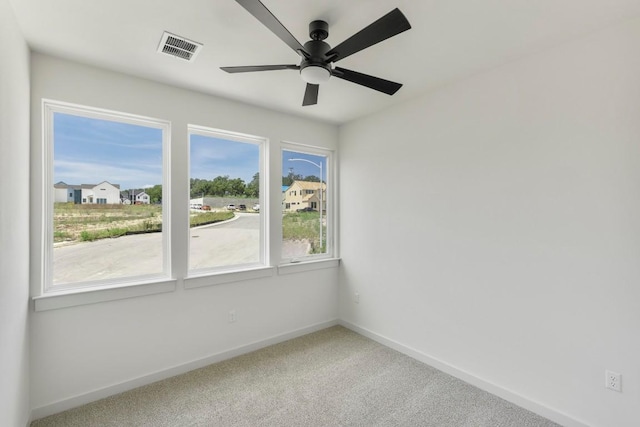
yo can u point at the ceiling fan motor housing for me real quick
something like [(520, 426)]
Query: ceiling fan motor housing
[(316, 49), (314, 67), (317, 54)]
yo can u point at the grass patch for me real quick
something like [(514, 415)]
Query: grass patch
[(304, 226), (209, 218), (86, 223), (90, 236), (61, 236)]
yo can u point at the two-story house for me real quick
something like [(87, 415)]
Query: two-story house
[(305, 194), (103, 193), (136, 197)]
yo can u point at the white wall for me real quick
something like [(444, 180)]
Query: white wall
[(105, 190), (83, 349), (14, 221), (505, 240), (61, 195)]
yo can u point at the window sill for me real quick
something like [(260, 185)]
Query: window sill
[(300, 267), (219, 278), (76, 297)]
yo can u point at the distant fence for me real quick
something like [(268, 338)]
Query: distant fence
[(221, 202)]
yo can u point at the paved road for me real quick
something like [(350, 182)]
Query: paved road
[(234, 242), (229, 243)]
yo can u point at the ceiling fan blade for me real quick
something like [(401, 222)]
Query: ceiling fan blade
[(391, 24), (262, 14), (371, 82), (310, 95), (249, 68)]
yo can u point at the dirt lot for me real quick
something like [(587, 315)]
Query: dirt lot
[(82, 222)]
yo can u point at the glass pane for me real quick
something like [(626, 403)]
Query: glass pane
[(107, 213), (224, 202), (304, 204)]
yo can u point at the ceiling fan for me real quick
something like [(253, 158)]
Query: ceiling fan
[(317, 56)]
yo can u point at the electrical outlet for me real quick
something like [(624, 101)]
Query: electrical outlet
[(232, 316), (356, 298), (613, 381)]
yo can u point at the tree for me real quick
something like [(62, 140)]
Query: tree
[(220, 186), (155, 193), (200, 187), (253, 188), (288, 180), (236, 187)]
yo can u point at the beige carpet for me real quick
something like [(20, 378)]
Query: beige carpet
[(334, 377)]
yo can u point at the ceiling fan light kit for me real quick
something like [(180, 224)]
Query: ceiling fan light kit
[(318, 57), (315, 75)]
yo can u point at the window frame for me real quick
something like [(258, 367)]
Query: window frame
[(235, 272), (49, 109), (329, 208), (47, 297)]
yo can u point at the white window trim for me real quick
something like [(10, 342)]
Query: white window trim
[(49, 108), (225, 274), (329, 176), (310, 265), (230, 276), (83, 296), (77, 294)]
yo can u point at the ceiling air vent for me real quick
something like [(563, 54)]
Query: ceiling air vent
[(179, 47)]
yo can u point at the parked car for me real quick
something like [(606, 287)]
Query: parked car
[(206, 207), (231, 207), (307, 209), (256, 207), (242, 207)]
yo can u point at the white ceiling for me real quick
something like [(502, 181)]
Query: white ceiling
[(449, 39)]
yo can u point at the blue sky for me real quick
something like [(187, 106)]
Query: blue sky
[(211, 157), (89, 151), (302, 167)]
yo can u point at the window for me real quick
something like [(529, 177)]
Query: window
[(93, 237), (226, 223), (307, 203), (106, 204)]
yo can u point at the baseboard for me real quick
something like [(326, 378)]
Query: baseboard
[(508, 395), (29, 418), (92, 396), (515, 398)]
